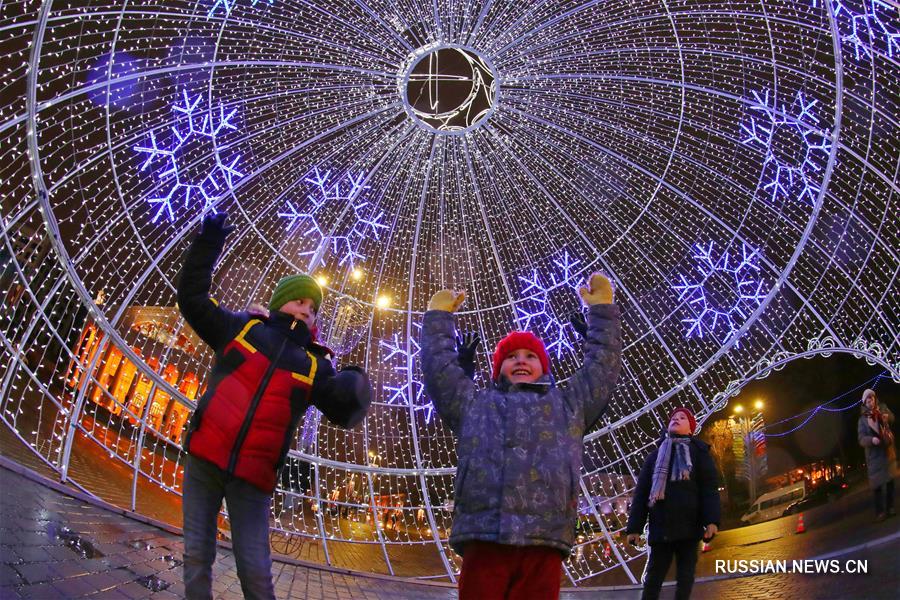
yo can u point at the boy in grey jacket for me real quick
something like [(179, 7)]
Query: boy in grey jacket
[(520, 444)]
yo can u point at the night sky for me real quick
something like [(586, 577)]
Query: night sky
[(803, 385)]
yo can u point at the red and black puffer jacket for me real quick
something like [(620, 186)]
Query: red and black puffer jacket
[(267, 371)]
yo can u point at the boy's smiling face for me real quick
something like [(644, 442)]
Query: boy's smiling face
[(521, 366), (302, 310)]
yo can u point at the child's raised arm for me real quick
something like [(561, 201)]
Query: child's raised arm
[(212, 323), (593, 383), (445, 380)]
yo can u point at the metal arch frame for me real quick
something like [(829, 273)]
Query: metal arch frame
[(871, 353), (43, 202)]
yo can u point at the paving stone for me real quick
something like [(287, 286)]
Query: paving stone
[(10, 576), (69, 568), (56, 571)]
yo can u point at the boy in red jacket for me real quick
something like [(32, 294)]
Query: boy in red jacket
[(267, 371)]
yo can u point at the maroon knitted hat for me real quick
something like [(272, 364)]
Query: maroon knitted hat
[(688, 414), (518, 340)]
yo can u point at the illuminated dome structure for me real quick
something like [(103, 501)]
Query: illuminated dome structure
[(732, 165)]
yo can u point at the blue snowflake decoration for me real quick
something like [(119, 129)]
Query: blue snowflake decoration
[(793, 169), (537, 308), (727, 290), (226, 6), (410, 391), (866, 23), (192, 127), (365, 219)]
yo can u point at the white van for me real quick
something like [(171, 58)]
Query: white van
[(771, 505)]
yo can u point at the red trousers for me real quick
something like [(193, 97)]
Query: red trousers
[(498, 572)]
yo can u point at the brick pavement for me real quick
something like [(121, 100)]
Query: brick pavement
[(53, 545)]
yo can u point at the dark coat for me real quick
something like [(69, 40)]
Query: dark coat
[(688, 507), (266, 372), (520, 446), (881, 460)]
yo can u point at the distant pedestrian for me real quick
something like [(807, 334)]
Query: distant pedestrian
[(875, 435)]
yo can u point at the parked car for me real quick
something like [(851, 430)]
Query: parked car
[(772, 504), (825, 492)]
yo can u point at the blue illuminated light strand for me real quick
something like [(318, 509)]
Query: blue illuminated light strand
[(815, 411)]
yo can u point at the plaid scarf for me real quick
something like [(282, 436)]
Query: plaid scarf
[(878, 421), (681, 465)]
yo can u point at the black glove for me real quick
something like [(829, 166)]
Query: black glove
[(354, 368), (579, 324), (466, 344), (213, 227)]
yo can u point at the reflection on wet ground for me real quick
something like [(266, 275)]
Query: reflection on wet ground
[(56, 546)]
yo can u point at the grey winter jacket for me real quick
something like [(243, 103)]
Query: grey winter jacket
[(519, 446), (881, 460)]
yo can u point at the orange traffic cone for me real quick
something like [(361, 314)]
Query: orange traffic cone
[(706, 546), (801, 528)]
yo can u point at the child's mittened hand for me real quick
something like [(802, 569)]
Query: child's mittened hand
[(599, 290), (710, 532), (447, 300)]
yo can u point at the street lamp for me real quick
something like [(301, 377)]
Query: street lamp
[(743, 425)]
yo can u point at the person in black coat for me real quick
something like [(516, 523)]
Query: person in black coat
[(678, 489)]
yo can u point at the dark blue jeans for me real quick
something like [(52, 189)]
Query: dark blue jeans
[(884, 497), (248, 509), (661, 554)]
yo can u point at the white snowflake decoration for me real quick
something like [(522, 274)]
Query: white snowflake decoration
[(714, 311), (792, 177)]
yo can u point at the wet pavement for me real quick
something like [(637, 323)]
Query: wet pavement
[(54, 545)]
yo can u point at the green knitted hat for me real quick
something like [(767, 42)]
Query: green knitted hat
[(296, 287)]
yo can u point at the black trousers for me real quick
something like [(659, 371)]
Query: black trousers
[(685, 553), (884, 497)]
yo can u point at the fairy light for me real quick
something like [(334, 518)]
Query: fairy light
[(590, 139)]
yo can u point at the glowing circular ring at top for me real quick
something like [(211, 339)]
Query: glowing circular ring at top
[(448, 89)]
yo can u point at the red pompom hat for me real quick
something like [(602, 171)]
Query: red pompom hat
[(688, 414), (519, 340)]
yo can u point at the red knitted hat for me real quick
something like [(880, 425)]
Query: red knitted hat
[(688, 414), (518, 340)]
